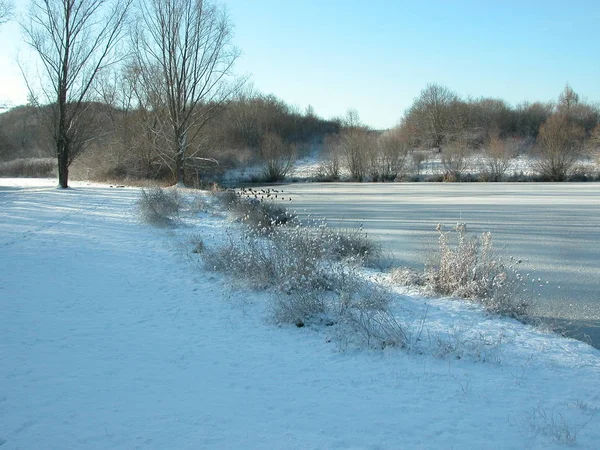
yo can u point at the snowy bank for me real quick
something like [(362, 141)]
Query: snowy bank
[(114, 337)]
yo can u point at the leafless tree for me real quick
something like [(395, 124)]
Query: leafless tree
[(355, 144), (559, 147), (277, 157), (75, 41), (498, 154), (433, 115), (418, 161), (391, 155), (6, 11), (531, 116), (567, 99), (185, 55), (455, 160), (330, 165)]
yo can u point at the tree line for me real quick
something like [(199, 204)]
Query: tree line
[(148, 90), (555, 135)]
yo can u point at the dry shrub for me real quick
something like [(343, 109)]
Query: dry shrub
[(418, 161), (498, 156), (455, 161), (258, 209), (356, 144), (160, 207), (313, 273), (559, 147), (406, 276), (277, 157), (330, 167), (29, 168), (389, 157), (471, 269)]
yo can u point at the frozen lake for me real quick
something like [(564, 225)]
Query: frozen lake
[(553, 228)]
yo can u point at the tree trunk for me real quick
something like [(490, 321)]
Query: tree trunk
[(62, 151), (180, 158)]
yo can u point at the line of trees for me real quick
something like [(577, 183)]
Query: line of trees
[(163, 103), (148, 89), (439, 117), (248, 129), (555, 134), (177, 68)]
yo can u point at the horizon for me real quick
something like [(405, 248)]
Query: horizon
[(311, 53)]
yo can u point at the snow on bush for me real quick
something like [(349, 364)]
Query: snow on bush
[(159, 207), (471, 269), (257, 209), (312, 271)]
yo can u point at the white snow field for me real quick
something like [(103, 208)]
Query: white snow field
[(114, 337)]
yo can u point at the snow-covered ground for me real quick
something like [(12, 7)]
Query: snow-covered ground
[(310, 167), (552, 227), (113, 336)]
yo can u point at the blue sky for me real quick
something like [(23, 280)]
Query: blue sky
[(377, 56)]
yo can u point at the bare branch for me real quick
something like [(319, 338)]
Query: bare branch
[(75, 41), (6, 11), (185, 55)]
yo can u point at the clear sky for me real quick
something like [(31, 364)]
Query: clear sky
[(377, 56)]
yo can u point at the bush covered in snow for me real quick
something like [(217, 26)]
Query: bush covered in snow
[(256, 209), (470, 268), (159, 206), (312, 271)]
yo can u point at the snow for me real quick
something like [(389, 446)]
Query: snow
[(310, 167), (552, 227), (114, 336)]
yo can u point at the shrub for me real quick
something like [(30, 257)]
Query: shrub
[(455, 161), (418, 160), (29, 168), (406, 276), (391, 156), (159, 207), (300, 308), (261, 216), (353, 243), (336, 244), (498, 156), (559, 147), (226, 198), (355, 145), (258, 209), (313, 273), (329, 169), (471, 269), (277, 157)]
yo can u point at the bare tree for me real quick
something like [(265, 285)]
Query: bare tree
[(6, 11), (277, 157), (418, 161), (75, 41), (529, 117), (455, 160), (330, 164), (355, 144), (433, 115), (498, 154), (391, 155), (185, 55), (567, 99), (559, 147)]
